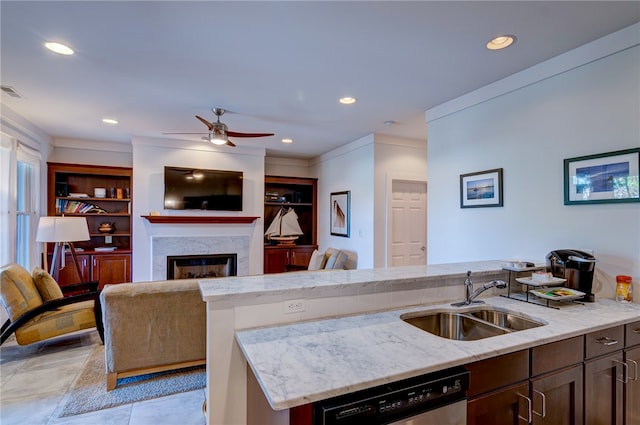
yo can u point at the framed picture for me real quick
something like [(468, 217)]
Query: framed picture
[(604, 178), (481, 189), (340, 213)]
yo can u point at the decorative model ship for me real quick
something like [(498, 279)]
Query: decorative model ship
[(284, 228)]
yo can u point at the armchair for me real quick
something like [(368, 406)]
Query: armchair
[(38, 309)]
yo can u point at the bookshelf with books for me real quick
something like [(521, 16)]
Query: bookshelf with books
[(103, 195)]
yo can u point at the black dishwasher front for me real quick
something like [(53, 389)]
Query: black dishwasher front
[(397, 401)]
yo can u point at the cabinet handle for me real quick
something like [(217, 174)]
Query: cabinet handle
[(606, 341), (544, 404), (625, 372), (635, 369), (529, 418), (636, 331)]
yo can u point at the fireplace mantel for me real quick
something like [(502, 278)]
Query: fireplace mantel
[(198, 219)]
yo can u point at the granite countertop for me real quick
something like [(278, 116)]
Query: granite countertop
[(248, 287), (309, 361)]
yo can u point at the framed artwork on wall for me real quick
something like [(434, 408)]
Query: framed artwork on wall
[(340, 213), (611, 177), (481, 189)]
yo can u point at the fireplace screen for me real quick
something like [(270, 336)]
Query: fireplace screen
[(201, 266)]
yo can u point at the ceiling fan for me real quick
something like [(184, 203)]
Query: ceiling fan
[(219, 133)]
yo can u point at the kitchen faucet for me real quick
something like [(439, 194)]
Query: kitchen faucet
[(470, 294)]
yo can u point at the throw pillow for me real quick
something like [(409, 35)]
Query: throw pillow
[(340, 260), (315, 263), (331, 261), (47, 286)]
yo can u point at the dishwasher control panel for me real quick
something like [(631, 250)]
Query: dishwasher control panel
[(390, 402)]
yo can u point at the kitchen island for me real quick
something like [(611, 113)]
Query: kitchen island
[(350, 335)]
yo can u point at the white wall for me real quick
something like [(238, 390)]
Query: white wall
[(348, 168), (75, 151), (364, 167), (528, 131), (395, 159), (287, 167), (149, 158)]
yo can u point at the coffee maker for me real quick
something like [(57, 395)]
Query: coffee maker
[(577, 267)]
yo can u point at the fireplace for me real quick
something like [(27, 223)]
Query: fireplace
[(201, 266)]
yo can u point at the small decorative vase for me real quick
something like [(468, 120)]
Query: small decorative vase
[(106, 228)]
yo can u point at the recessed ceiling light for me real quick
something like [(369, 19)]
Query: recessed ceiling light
[(501, 42), (347, 100), (110, 121), (287, 140), (58, 48)]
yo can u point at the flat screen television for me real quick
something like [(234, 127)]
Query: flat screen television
[(199, 189)]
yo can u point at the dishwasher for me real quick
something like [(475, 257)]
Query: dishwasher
[(434, 399)]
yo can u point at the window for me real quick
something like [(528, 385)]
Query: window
[(19, 203)]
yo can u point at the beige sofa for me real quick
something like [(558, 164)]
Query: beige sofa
[(333, 258), (152, 327)]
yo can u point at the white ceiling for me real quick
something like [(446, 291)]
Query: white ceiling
[(276, 66)]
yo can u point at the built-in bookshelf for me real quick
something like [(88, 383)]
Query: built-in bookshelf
[(101, 194)]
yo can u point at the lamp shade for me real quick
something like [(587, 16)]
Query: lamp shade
[(62, 229)]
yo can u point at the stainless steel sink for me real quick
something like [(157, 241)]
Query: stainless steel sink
[(506, 319), (470, 325), (457, 326)]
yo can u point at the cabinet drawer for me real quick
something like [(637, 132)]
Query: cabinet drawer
[(497, 372), (632, 336), (556, 355), (604, 341)]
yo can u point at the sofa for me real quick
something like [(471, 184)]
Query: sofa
[(332, 259), (152, 327)]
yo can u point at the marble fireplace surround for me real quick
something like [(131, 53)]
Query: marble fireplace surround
[(163, 246)]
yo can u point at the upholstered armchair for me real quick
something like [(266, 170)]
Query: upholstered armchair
[(37, 307)]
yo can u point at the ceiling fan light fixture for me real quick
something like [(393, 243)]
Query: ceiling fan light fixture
[(218, 134), (218, 138)]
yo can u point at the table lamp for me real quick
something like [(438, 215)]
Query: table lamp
[(61, 230)]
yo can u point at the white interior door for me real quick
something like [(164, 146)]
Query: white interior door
[(407, 224)]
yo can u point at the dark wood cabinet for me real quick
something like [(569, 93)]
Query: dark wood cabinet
[(109, 269), (507, 406), (301, 195), (604, 375), (498, 390), (543, 385), (279, 259), (557, 397), (632, 381), (71, 192), (603, 396), (632, 387), (69, 275)]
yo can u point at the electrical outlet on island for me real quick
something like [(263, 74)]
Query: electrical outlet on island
[(294, 306)]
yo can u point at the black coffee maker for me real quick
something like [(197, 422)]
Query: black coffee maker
[(575, 266)]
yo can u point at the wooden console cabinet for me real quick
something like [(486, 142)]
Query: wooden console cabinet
[(301, 195), (70, 192)]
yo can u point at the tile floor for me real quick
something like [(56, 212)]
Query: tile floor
[(35, 378)]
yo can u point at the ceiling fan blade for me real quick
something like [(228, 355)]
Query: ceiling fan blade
[(236, 134), (230, 143), (185, 133), (205, 122)]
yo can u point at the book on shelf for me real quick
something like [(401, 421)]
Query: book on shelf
[(77, 207)]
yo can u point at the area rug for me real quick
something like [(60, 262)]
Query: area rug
[(89, 391)]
